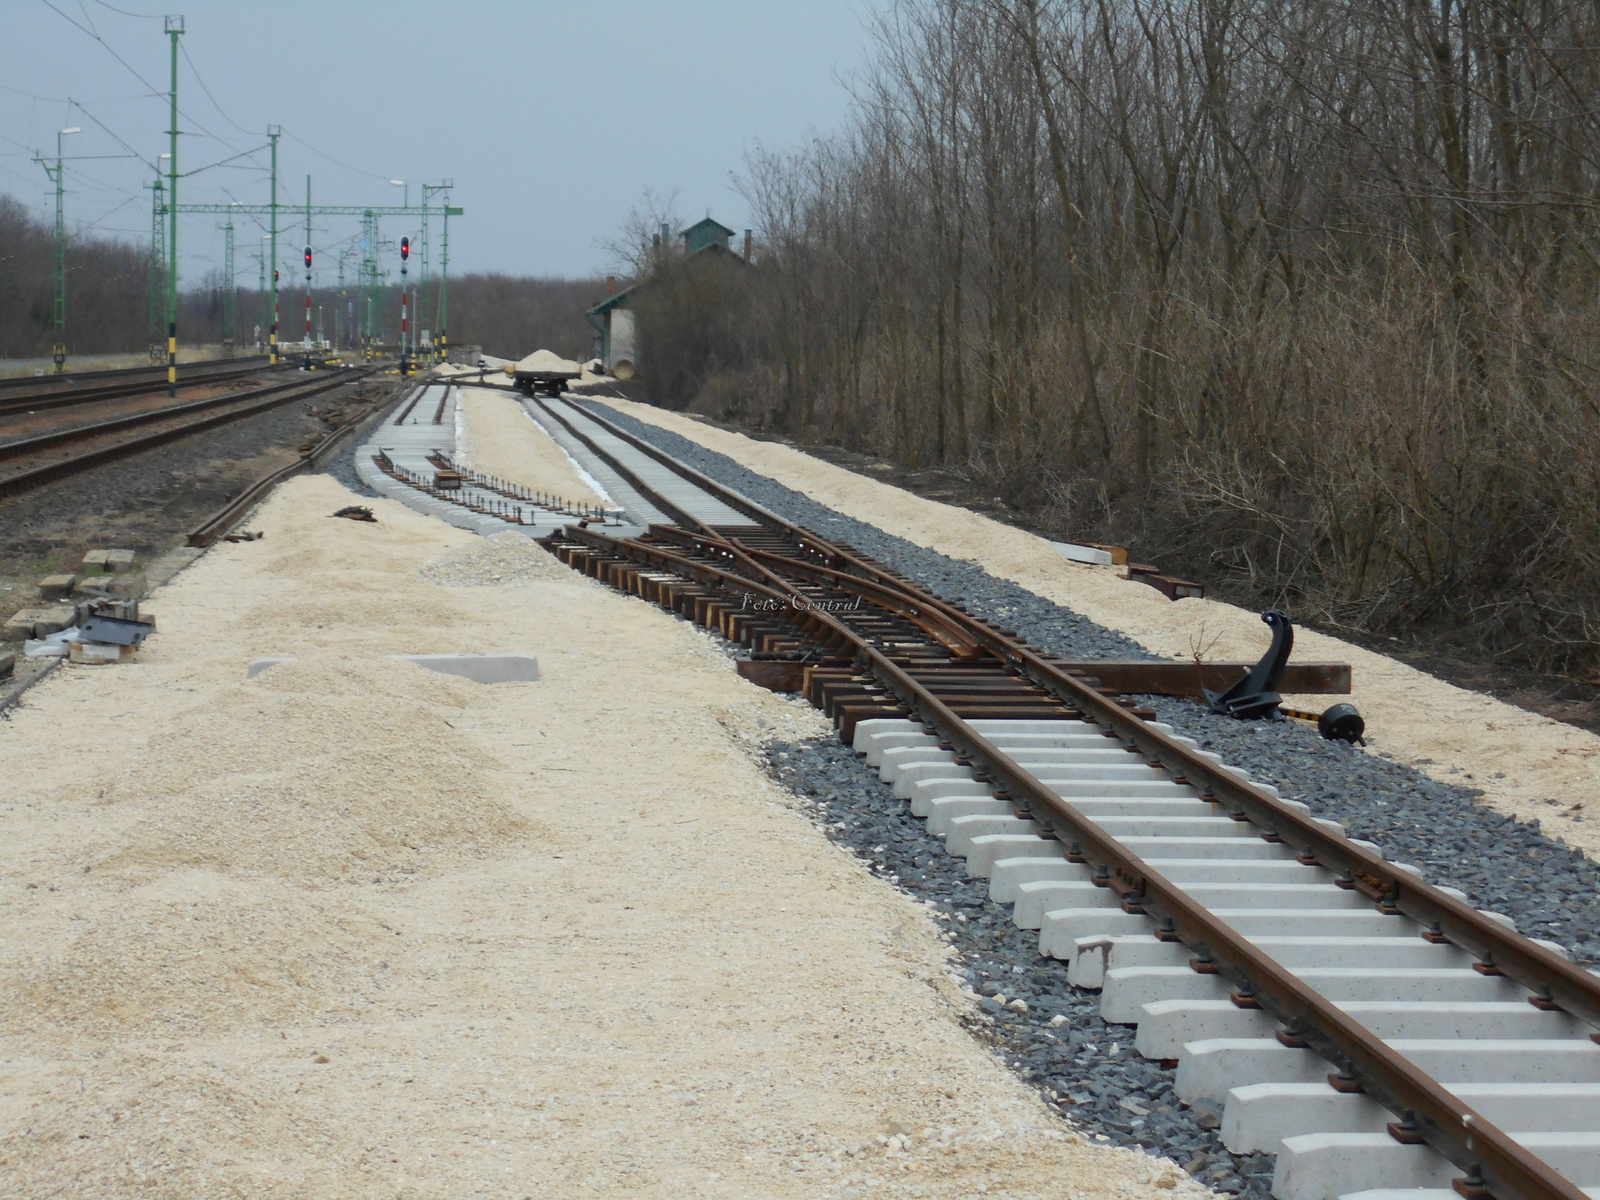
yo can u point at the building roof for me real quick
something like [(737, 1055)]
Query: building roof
[(702, 224), (617, 300)]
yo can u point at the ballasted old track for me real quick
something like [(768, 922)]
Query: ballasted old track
[(1377, 1033), (49, 392), (178, 421)]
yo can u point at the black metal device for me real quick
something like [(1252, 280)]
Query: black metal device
[(1256, 695)]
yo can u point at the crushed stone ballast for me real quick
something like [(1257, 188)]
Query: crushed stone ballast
[(1202, 905)]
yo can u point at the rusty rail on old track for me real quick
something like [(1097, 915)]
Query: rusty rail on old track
[(197, 375), (247, 404), (225, 518), (801, 583)]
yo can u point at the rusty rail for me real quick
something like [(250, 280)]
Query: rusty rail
[(1426, 1110), (64, 396), (25, 481), (225, 518)]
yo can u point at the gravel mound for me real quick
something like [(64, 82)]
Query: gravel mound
[(501, 560)]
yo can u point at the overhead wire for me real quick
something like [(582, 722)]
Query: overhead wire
[(125, 13), (155, 91), (336, 162), (195, 71)]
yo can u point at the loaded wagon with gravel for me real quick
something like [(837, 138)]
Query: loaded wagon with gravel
[(544, 372)]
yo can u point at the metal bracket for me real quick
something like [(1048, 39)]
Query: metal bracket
[(1256, 694)]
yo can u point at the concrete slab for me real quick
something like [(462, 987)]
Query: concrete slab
[(480, 668)]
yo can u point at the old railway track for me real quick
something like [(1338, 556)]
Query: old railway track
[(32, 462), (1377, 1033), (31, 394)]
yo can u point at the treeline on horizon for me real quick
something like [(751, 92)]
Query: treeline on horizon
[(108, 302), (1297, 298)]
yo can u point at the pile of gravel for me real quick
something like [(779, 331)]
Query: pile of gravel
[(498, 561), (1502, 864)]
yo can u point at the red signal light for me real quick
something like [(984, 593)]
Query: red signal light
[(274, 276), (405, 248), (308, 258)]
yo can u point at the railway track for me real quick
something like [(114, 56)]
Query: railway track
[(39, 460), (114, 385), (1375, 1032)]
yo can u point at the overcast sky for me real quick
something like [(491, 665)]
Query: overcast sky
[(551, 117)]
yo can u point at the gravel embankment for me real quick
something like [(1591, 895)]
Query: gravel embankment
[(1502, 864)]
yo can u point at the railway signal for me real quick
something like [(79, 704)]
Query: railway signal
[(308, 301), (405, 253)]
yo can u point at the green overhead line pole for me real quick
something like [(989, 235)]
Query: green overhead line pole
[(371, 277), (428, 189), (158, 266), (261, 295), (444, 280), (58, 177), (367, 280), (228, 297), (274, 132), (174, 28)]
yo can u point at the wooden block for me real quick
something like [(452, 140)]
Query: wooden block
[(775, 676)]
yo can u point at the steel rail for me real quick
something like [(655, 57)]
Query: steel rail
[(224, 519), (1427, 1111), (122, 372), (25, 481), (1547, 975), (67, 397), (77, 433)]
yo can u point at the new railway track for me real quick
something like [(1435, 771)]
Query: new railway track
[(29, 463), (1378, 1034)]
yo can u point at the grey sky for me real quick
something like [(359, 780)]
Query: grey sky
[(552, 118)]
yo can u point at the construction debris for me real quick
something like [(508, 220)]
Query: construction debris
[(241, 535), (57, 587), (356, 512)]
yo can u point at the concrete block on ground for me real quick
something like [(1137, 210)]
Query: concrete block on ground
[(1083, 554), (119, 560), (258, 665), (1313, 1166), (57, 587), (95, 560), (19, 626), (53, 619), (128, 587), (8, 663), (480, 668)]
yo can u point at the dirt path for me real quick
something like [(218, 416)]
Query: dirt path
[(1527, 765), (354, 929)]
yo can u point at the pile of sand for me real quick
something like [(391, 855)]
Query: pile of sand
[(356, 929), (497, 437)]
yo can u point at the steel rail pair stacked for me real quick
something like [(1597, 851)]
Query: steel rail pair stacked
[(1494, 1164)]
